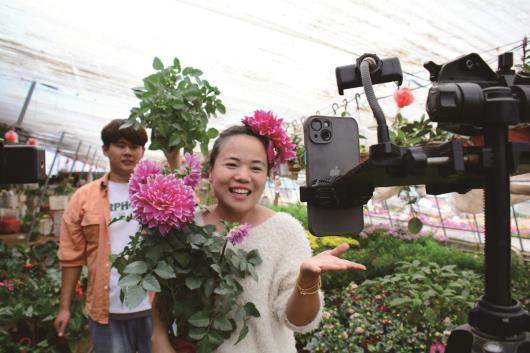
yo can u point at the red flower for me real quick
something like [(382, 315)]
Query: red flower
[(30, 265), (403, 97), (383, 309), (11, 136), (79, 291), (25, 340)]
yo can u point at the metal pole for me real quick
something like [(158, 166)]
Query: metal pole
[(477, 228), (86, 158), (388, 212), (92, 160), (517, 227), (75, 158), (440, 215), (497, 219), (43, 190), (26, 103)]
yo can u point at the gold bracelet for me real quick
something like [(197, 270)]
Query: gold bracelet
[(311, 290)]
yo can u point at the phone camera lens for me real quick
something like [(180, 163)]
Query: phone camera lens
[(316, 125), (327, 123), (326, 135)]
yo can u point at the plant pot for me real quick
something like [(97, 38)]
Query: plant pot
[(58, 202)]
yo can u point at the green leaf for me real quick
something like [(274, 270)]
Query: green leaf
[(208, 287), (243, 333), (197, 333), (222, 324), (221, 108), (252, 272), (157, 64), (156, 144), (193, 282), (129, 280), (204, 148), (164, 270), (251, 310), (240, 314), (415, 225), (139, 267), (212, 133), (154, 253), (398, 301), (176, 63), (183, 259), (134, 296), (200, 319), (150, 283), (175, 139)]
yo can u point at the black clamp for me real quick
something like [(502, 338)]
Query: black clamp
[(328, 193)]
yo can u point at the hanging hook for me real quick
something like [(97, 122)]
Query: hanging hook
[(317, 112), (335, 107), (357, 97)]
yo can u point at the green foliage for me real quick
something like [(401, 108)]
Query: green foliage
[(29, 301), (197, 279), (403, 312), (297, 210), (418, 132), (381, 251), (329, 242), (176, 104)]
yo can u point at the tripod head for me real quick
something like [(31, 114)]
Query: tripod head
[(469, 98)]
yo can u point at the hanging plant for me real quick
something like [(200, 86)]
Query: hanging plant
[(176, 104)]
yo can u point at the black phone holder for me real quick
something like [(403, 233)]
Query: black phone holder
[(467, 98)]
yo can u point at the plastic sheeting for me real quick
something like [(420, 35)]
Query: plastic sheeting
[(277, 54)]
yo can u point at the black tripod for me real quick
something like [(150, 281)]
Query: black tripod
[(468, 98)]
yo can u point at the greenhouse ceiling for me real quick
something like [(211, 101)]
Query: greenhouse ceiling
[(277, 55)]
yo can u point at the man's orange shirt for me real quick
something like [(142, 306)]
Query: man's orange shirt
[(84, 240)]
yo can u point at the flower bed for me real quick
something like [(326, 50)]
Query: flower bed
[(30, 285)]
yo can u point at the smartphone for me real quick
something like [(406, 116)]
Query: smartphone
[(332, 149)]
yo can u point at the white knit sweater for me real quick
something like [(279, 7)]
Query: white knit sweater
[(282, 245)]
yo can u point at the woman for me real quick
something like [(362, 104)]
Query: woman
[(287, 293)]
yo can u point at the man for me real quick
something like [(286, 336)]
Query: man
[(87, 239)]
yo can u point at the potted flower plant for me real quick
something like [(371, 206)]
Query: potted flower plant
[(176, 104)]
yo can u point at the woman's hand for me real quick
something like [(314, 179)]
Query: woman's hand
[(326, 261)]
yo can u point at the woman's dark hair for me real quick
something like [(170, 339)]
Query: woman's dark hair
[(233, 131), (113, 132)]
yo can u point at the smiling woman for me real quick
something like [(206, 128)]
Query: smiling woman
[(287, 292)]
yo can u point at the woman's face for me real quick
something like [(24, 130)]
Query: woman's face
[(239, 173)]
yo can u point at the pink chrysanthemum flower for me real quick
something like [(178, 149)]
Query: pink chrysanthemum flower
[(164, 202), (191, 169), (141, 173), (263, 123), (238, 234)]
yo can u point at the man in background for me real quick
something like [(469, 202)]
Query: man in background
[(87, 239)]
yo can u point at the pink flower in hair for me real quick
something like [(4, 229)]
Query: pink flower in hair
[(266, 124)]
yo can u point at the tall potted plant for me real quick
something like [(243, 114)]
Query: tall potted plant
[(176, 104)]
